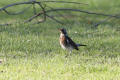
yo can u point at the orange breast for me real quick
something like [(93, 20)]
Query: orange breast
[(62, 40)]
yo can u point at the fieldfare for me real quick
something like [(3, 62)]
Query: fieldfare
[(66, 42)]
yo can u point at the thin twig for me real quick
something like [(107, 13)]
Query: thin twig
[(68, 9), (97, 24), (20, 12), (59, 9), (34, 9), (83, 11), (31, 2), (54, 19), (58, 13), (44, 12), (14, 4), (65, 2)]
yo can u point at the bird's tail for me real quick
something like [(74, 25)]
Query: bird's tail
[(81, 45)]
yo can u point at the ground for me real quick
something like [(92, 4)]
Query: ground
[(32, 51)]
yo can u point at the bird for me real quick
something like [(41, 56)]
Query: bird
[(66, 42)]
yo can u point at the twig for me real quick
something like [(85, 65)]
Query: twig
[(19, 3), (58, 13), (21, 12), (34, 9), (31, 2), (54, 19), (68, 9), (97, 24), (45, 12), (65, 2), (78, 10), (59, 9)]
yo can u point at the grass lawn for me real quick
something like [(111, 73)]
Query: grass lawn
[(32, 52)]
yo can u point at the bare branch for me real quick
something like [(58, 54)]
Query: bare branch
[(59, 9), (97, 24), (65, 2), (45, 12), (78, 10), (58, 13), (31, 2), (34, 9), (21, 12), (14, 4), (54, 19), (68, 9)]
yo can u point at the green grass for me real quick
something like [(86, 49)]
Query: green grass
[(32, 52)]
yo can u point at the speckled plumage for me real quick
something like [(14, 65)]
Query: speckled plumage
[(66, 42)]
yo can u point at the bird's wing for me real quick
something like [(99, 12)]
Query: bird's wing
[(70, 41)]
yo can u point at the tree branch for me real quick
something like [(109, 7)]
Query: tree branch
[(54, 19), (20, 12), (31, 2), (100, 22), (45, 12), (68, 9), (64, 2)]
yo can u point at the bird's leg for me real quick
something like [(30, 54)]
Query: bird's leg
[(69, 53)]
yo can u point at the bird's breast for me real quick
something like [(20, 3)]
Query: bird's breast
[(62, 42)]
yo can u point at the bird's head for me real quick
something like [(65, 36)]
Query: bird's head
[(63, 31)]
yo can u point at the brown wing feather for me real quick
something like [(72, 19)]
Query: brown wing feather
[(72, 43)]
